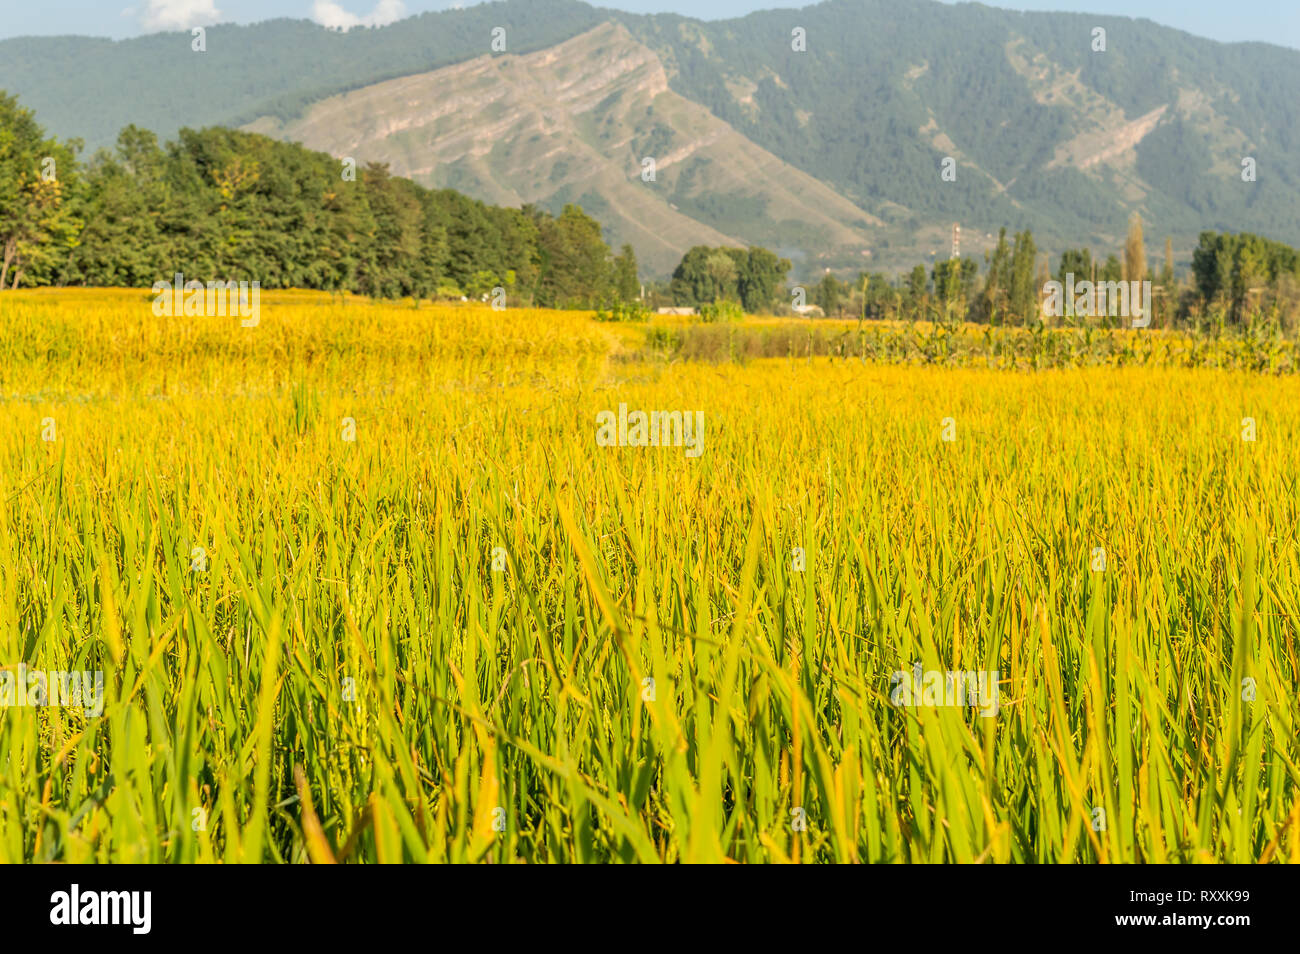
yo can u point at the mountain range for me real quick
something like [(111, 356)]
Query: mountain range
[(820, 133)]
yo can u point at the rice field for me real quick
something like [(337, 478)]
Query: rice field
[(365, 587)]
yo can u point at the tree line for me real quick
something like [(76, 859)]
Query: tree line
[(1233, 276), (220, 204)]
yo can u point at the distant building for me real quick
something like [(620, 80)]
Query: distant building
[(676, 311), (809, 311)]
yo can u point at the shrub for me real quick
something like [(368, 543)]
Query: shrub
[(622, 311), (722, 310)]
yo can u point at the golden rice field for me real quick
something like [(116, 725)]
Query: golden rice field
[(341, 674)]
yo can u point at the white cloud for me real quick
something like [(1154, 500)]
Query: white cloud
[(178, 14), (330, 14)]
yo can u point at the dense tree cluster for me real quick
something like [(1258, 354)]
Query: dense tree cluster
[(1234, 269), (754, 277), (219, 204)]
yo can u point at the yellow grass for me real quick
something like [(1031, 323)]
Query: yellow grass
[(347, 678)]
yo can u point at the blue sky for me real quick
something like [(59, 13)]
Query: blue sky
[(1274, 21)]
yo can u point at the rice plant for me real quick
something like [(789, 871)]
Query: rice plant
[(364, 587)]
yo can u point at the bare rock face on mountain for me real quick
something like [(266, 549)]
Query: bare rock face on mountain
[(591, 121)]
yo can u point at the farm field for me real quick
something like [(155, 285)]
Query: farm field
[(364, 586)]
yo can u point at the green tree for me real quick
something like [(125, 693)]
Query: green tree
[(395, 269), (995, 297), (1135, 255), (575, 270), (1024, 294), (917, 285), (38, 186), (761, 275), (877, 295), (954, 282), (752, 276), (1076, 262), (691, 282), (723, 274), (121, 243), (627, 284), (829, 294)]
